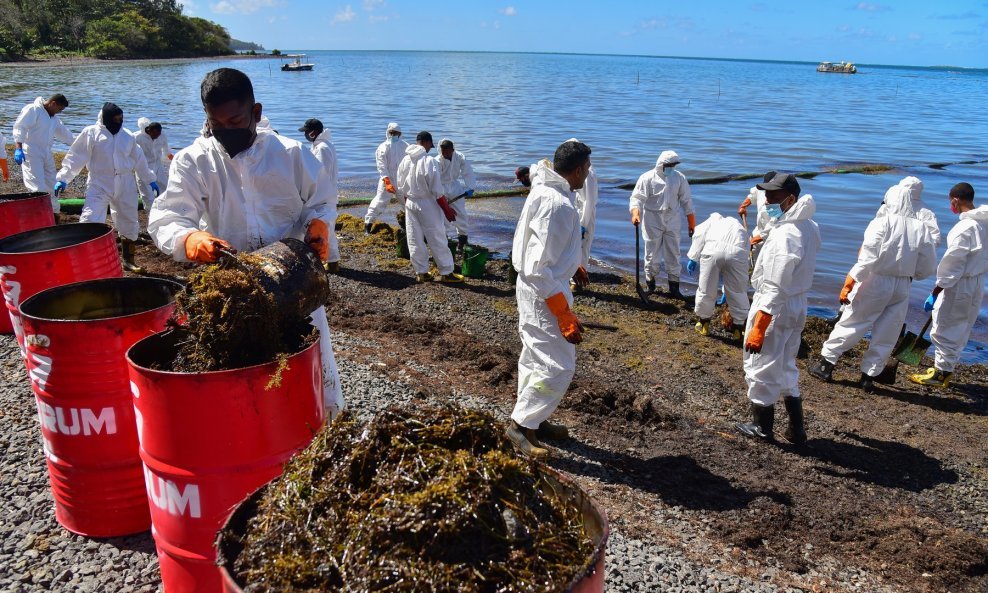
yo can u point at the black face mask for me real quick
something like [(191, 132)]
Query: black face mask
[(235, 140), (109, 113)]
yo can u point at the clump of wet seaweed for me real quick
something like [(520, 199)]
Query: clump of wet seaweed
[(229, 320), (430, 499)]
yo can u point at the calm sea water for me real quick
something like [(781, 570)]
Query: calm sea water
[(505, 110)]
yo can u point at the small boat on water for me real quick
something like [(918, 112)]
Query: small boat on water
[(296, 64), (841, 67)]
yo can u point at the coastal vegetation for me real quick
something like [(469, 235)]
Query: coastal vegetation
[(109, 29)]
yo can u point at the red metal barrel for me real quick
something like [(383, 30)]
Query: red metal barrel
[(24, 212), (77, 338), (43, 258), (19, 213), (210, 439)]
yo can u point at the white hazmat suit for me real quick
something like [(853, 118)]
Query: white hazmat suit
[(418, 180), (961, 274), (325, 152), (387, 157), (266, 193), (546, 253), (156, 152), (37, 132), (457, 177), (112, 161), (662, 198), (897, 249), (782, 277), (911, 188), (586, 205), (720, 246)]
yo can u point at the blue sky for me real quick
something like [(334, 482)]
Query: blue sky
[(953, 32)]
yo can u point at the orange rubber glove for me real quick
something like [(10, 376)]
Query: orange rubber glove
[(202, 247), (170, 156), (848, 287), (691, 219), (568, 322), (756, 239), (581, 278), (636, 216), (4, 169), (756, 335), (317, 237), (388, 186), (743, 208)]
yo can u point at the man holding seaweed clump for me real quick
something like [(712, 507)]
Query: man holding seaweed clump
[(243, 187)]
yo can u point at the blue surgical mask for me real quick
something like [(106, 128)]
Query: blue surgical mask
[(667, 169), (393, 139), (774, 211)]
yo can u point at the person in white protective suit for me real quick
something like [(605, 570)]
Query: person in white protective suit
[(426, 211), (154, 143), (387, 158), (586, 205), (763, 224), (658, 202), (912, 189), (237, 187), (35, 131), (956, 300), (457, 178), (782, 277), (4, 168), (546, 253), (720, 250), (325, 152), (112, 159), (897, 249)]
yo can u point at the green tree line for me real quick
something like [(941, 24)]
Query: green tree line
[(113, 29)]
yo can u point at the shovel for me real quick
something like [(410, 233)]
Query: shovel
[(911, 347), (638, 265), (459, 197)]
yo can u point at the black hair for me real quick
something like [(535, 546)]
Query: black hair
[(963, 192), (570, 156), (423, 136), (60, 99), (153, 126), (224, 85)]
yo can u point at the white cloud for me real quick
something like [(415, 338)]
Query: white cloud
[(344, 16), (508, 11), (497, 25), (372, 5), (378, 18), (242, 6), (869, 7)]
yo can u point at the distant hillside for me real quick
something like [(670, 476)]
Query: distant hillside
[(237, 45), (107, 29)]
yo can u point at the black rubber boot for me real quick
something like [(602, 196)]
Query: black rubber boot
[(822, 370), (461, 243), (761, 425), (128, 250), (867, 383), (552, 432), (796, 433), (524, 440), (674, 290), (367, 228), (650, 285)]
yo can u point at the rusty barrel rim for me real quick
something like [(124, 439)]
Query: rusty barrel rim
[(228, 548), (53, 238), (162, 291)]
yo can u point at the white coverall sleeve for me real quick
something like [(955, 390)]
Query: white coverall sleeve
[(144, 172), (871, 246), (951, 267), (699, 238), (926, 265), (403, 183), (315, 189), (62, 133), (777, 270), (686, 196), (435, 180), (547, 240), (638, 195), (76, 158), (25, 120), (468, 176), (177, 211), (381, 159)]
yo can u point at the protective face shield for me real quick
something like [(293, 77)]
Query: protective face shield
[(112, 117)]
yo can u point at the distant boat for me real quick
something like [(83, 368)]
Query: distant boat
[(296, 64), (841, 67)]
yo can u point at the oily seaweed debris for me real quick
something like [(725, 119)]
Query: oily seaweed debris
[(231, 320), (431, 499)]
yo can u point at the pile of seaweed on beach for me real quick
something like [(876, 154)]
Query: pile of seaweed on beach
[(228, 318), (423, 499)]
